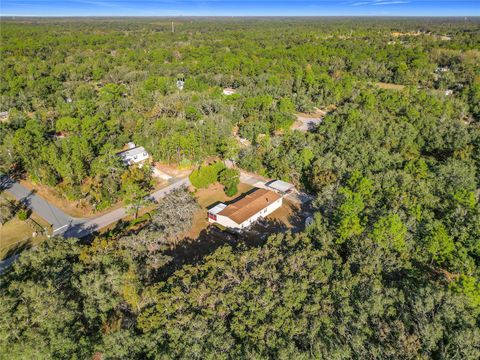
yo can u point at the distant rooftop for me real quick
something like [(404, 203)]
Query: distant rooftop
[(229, 91), (132, 152)]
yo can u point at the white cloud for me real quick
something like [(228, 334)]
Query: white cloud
[(390, 2), (378, 2), (360, 3)]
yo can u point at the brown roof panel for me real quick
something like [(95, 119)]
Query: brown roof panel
[(249, 205)]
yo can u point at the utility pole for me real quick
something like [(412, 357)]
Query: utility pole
[(173, 28)]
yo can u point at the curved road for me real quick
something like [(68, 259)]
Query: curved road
[(53, 215), (66, 225), (62, 223)]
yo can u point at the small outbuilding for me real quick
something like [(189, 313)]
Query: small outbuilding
[(60, 135), (281, 187), (229, 91)]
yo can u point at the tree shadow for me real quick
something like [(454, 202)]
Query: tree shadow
[(192, 251), (13, 253), (6, 182), (18, 248), (80, 231), (299, 216), (26, 201)]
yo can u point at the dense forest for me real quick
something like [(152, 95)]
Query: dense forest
[(390, 266)]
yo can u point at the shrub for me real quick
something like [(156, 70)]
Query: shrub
[(206, 175), (229, 178), (22, 214), (184, 164)]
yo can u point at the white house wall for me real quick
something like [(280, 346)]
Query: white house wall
[(263, 213), (229, 223)]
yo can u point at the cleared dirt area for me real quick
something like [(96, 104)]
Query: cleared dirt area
[(397, 34), (308, 121), (396, 87), (285, 217), (173, 170), (286, 214), (203, 238), (389, 86)]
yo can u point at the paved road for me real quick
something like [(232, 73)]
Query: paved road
[(62, 223), (53, 215), (84, 227), (68, 226)]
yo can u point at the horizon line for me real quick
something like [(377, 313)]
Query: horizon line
[(238, 16)]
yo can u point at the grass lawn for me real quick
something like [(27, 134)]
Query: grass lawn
[(16, 235)]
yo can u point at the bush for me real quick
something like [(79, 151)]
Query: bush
[(229, 178), (184, 164), (22, 214), (206, 175), (192, 114)]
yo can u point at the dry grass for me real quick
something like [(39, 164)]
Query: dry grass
[(389, 86), (17, 234), (173, 170), (285, 213), (411, 33), (73, 208)]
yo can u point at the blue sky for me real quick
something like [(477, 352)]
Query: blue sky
[(239, 8)]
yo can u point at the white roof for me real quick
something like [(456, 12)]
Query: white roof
[(217, 208), (132, 152), (280, 185)]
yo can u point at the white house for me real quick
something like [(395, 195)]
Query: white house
[(134, 154), (229, 91), (247, 210)]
